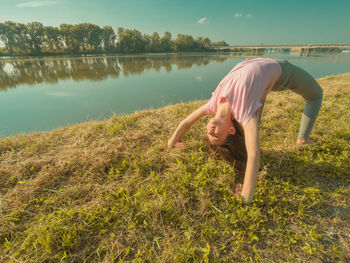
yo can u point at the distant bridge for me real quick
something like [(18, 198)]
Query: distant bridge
[(300, 49)]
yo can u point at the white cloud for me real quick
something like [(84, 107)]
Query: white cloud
[(60, 94), (203, 20), (199, 78), (36, 4), (239, 15)]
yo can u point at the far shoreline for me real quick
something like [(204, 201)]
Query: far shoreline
[(283, 48)]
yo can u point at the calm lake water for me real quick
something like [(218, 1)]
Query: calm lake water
[(40, 94)]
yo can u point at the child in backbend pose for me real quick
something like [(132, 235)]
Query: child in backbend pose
[(239, 98)]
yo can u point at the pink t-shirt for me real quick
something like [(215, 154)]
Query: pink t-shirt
[(245, 86)]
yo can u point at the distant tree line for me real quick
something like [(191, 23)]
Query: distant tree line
[(36, 39)]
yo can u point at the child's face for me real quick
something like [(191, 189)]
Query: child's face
[(217, 131)]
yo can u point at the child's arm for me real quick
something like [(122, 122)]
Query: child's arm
[(185, 125), (251, 133)]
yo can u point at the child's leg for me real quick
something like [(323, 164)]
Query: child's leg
[(312, 93), (309, 116)]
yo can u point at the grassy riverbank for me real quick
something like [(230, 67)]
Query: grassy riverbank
[(110, 191)]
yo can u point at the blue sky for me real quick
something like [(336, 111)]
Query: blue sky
[(244, 22)]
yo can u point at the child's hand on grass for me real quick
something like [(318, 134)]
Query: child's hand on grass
[(176, 145), (238, 190)]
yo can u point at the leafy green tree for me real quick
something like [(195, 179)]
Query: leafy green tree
[(66, 37), (183, 43), (79, 37), (130, 41), (201, 43), (93, 36), (155, 45), (220, 43), (166, 42), (108, 38), (52, 38), (188, 42), (198, 43), (179, 43), (21, 38), (7, 36), (35, 33), (147, 41), (120, 39), (14, 37), (207, 43)]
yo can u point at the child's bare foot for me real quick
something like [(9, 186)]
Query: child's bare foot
[(305, 142)]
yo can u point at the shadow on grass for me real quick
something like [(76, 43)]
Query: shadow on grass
[(313, 183)]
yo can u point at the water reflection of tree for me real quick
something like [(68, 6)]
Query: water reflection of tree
[(34, 71)]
